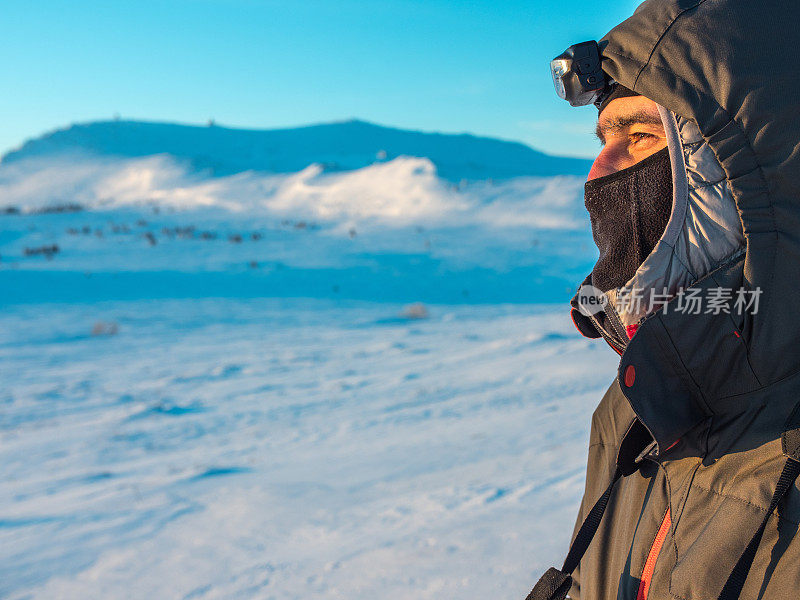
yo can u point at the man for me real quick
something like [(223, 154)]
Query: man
[(694, 450)]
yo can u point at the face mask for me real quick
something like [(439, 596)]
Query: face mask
[(629, 211)]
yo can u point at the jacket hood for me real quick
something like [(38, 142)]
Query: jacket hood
[(722, 72)]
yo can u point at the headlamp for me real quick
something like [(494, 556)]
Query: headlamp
[(578, 77)]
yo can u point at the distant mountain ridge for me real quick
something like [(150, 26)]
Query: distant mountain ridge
[(338, 146)]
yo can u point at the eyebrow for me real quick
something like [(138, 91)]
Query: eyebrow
[(616, 124)]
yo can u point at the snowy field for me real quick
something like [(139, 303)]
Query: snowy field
[(331, 383), (287, 449)]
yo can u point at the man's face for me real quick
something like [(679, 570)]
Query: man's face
[(630, 130)]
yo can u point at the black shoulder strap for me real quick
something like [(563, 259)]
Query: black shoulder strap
[(555, 584), (589, 527), (733, 587), (791, 448)]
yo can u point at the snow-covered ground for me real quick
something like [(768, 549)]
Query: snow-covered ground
[(289, 449), (329, 383)]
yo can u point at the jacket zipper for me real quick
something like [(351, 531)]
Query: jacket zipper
[(652, 556)]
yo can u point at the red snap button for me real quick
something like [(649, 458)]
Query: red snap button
[(630, 376)]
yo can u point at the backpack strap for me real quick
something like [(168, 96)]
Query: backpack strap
[(555, 584), (790, 442), (733, 587)]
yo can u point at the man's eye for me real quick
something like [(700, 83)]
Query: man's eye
[(642, 137)]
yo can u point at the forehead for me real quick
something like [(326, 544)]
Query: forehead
[(624, 112)]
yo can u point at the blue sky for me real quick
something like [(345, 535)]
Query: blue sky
[(478, 66)]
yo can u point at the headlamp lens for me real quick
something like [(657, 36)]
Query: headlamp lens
[(558, 67)]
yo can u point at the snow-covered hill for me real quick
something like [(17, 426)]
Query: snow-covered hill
[(306, 363), (344, 210)]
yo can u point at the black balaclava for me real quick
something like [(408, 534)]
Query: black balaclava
[(629, 211), (618, 91)]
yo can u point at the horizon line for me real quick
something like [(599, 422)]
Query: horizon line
[(213, 123)]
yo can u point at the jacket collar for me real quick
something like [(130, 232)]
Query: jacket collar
[(688, 377)]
